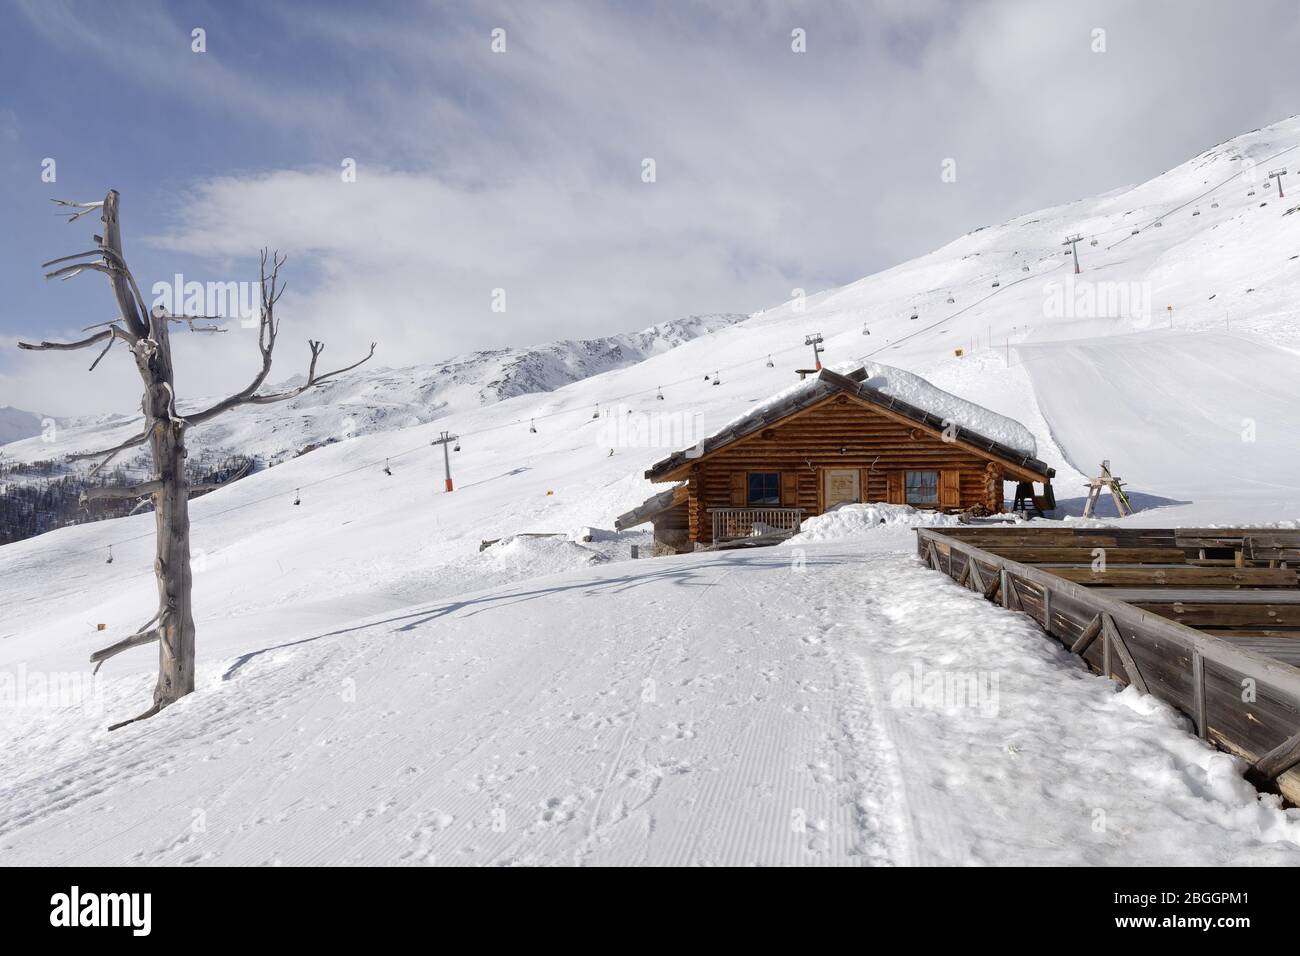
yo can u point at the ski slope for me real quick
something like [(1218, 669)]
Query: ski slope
[(1215, 415), (758, 708), (512, 677)]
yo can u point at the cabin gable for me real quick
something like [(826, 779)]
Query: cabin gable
[(1021, 470)]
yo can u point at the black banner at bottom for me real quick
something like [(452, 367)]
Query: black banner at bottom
[(299, 905)]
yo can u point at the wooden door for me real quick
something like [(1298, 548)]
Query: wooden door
[(949, 489), (840, 485)]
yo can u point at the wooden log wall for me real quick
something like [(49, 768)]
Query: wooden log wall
[(841, 433)]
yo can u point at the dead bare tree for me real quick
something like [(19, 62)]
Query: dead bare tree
[(146, 333)]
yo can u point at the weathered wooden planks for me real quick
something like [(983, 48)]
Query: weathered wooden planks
[(1009, 534), (1170, 595), (1282, 546), (1238, 684), (1280, 648), (1086, 555), (1182, 576), (1223, 614)]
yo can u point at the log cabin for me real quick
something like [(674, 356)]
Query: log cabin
[(834, 439)]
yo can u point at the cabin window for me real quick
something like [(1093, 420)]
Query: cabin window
[(764, 489), (922, 487)]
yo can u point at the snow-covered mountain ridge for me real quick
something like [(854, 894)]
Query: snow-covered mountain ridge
[(374, 399)]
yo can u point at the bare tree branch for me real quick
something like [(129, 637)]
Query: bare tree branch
[(111, 453), (145, 716), (67, 346), (125, 644), (85, 207), (112, 334), (111, 340), (268, 330), (119, 492), (112, 323), (75, 255), (113, 265), (164, 316), (76, 269), (312, 381)]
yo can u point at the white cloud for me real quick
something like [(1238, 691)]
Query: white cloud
[(522, 171)]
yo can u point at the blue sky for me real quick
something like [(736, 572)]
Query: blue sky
[(522, 170)]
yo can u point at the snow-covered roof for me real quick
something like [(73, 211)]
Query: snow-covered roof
[(650, 507), (919, 393), (903, 393)]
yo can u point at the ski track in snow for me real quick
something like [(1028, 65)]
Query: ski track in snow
[(488, 730)]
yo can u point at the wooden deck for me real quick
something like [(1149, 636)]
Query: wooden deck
[(1206, 619)]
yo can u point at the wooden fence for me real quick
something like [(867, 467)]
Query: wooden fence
[(732, 523), (1198, 628)]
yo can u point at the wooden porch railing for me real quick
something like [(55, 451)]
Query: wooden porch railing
[(732, 523)]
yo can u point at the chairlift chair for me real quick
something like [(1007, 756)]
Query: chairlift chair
[(1135, 232), (456, 447), (717, 378), (1196, 212), (387, 470), (531, 427), (865, 330), (1214, 205), (596, 413), (769, 360), (996, 283), (660, 395), (951, 300), (1159, 224), (1093, 243), (915, 315), (1025, 267)]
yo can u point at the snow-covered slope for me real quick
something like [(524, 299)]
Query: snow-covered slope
[(707, 709), (381, 399), (17, 424), (371, 579)]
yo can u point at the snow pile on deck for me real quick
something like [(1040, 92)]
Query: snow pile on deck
[(911, 388), (852, 520)]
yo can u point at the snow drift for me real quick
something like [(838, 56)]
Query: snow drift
[(855, 520)]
